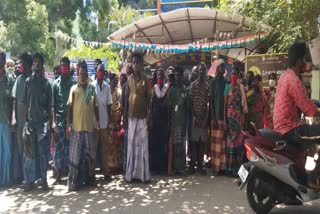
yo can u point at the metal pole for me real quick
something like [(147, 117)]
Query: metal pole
[(158, 7)]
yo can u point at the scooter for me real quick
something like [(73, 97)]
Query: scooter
[(276, 171)]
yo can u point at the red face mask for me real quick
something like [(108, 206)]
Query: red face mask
[(21, 68), (64, 69), (100, 75), (160, 81), (234, 78)]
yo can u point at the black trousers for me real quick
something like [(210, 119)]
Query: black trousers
[(297, 135)]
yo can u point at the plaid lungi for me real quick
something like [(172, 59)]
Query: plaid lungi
[(178, 142), (61, 151), (82, 147), (218, 148)]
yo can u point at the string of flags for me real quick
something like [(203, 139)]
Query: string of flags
[(191, 47), (75, 41)]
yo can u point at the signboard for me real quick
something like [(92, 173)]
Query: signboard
[(265, 64)]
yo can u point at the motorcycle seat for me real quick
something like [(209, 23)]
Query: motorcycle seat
[(271, 135)]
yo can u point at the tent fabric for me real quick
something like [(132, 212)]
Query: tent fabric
[(189, 25)]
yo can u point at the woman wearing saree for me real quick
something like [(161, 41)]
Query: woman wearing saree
[(257, 103), (160, 125), (235, 108)]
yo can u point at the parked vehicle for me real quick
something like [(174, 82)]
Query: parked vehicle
[(276, 172)]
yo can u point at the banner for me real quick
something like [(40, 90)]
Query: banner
[(265, 64)]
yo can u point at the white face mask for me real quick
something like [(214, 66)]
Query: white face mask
[(272, 83)]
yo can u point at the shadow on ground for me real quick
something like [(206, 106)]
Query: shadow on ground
[(173, 195)]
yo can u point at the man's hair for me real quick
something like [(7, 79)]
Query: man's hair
[(201, 63), (102, 66), (98, 61), (3, 57), (250, 73), (235, 70), (81, 61), (296, 51), (39, 56), (257, 77), (160, 70), (65, 60), (138, 56), (56, 68), (272, 74), (179, 70), (26, 58), (84, 66)]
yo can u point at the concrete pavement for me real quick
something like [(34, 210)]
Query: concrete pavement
[(173, 195)]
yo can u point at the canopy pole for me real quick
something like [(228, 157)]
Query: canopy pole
[(158, 7)]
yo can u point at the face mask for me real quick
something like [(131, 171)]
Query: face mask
[(64, 69), (100, 75), (10, 70), (272, 83), (160, 81), (21, 68), (234, 79)]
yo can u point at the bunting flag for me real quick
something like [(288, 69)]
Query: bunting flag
[(75, 41), (191, 47)]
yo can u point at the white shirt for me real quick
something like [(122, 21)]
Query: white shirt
[(104, 99)]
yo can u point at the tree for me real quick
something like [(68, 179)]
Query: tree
[(28, 31), (292, 20), (106, 51)]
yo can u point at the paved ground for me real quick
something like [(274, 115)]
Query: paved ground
[(193, 194)]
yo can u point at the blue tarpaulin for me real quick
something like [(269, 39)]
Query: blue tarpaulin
[(169, 5)]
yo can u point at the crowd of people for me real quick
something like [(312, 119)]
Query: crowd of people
[(130, 123)]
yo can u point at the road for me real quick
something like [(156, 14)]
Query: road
[(173, 195)]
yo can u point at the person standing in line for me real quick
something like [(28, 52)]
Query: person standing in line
[(138, 94), (218, 141), (114, 157), (60, 94), (124, 108), (18, 115), (83, 106), (179, 108), (6, 84), (270, 94), (199, 133), (105, 101), (235, 109), (38, 102), (257, 103), (160, 125)]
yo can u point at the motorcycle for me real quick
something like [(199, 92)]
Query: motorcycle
[(276, 172)]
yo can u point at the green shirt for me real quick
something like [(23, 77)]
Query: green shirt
[(216, 92), (6, 85), (38, 100), (179, 105), (18, 92), (60, 94)]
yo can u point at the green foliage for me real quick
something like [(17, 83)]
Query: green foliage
[(28, 32), (293, 20), (108, 52)]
